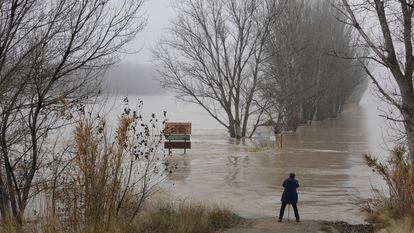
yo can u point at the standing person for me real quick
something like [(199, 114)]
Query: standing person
[(290, 196)]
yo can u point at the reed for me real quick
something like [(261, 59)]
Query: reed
[(258, 146), (186, 217), (159, 217), (397, 206), (103, 185)]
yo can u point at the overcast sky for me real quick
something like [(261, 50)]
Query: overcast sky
[(158, 12)]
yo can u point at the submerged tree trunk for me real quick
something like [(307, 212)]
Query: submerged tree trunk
[(235, 130)]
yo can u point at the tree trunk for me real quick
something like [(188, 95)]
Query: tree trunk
[(410, 139), (235, 130), (231, 129), (407, 97), (408, 115), (4, 206)]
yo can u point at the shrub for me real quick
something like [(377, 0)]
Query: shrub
[(219, 218), (165, 217), (398, 204)]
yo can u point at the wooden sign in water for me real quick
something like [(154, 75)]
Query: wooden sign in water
[(177, 137), (177, 145), (177, 134), (177, 128)]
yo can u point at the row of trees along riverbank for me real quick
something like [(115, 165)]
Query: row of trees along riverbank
[(249, 62)]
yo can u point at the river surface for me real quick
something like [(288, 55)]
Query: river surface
[(326, 157)]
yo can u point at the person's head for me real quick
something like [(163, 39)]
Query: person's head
[(292, 175)]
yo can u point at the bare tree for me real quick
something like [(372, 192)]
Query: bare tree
[(213, 57), (51, 54), (388, 35)]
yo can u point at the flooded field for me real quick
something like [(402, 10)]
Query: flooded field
[(326, 157)]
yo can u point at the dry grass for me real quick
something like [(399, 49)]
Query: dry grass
[(109, 176), (398, 226), (95, 194), (105, 182), (185, 218), (262, 146), (394, 209), (261, 149), (159, 217)]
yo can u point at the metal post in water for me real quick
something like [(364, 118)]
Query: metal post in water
[(281, 140), (185, 150)]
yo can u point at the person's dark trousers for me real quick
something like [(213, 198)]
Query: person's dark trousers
[(282, 210)]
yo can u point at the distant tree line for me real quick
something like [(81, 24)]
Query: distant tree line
[(250, 62), (388, 35), (389, 38), (308, 78)]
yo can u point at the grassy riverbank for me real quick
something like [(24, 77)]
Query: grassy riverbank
[(157, 217), (193, 217)]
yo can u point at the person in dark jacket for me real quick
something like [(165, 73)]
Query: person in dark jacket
[(290, 196)]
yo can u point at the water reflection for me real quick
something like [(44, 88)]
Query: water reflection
[(182, 168), (233, 170)]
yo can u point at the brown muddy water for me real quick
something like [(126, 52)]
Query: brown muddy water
[(326, 157)]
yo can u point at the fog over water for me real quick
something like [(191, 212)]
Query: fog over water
[(326, 156)]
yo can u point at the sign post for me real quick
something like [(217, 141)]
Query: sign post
[(280, 140), (278, 137)]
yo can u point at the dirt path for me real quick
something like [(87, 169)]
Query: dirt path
[(270, 225)]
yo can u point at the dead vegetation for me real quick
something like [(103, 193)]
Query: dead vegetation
[(156, 217), (104, 181), (393, 210), (185, 217)]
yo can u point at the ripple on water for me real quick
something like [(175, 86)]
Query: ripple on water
[(326, 158)]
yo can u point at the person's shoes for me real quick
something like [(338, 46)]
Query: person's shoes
[(279, 220), (297, 220)]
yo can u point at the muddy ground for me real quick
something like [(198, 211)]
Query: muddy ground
[(270, 225)]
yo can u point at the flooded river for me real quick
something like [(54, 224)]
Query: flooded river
[(326, 157)]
